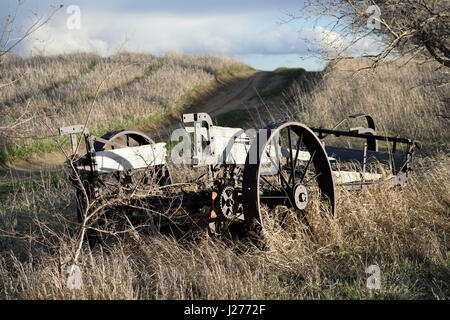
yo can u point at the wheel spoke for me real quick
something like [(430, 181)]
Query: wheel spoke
[(279, 194), (292, 177), (274, 197), (284, 218), (279, 170), (299, 142), (307, 166), (311, 179), (265, 180)]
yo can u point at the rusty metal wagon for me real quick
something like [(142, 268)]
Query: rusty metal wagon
[(244, 172)]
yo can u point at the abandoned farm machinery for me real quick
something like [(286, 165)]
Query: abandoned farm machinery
[(241, 173)]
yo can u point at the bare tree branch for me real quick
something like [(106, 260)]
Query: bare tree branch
[(7, 43), (402, 28)]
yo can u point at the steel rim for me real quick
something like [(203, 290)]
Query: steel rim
[(132, 137), (294, 185)]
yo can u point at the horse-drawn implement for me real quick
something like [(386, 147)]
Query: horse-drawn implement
[(285, 165)]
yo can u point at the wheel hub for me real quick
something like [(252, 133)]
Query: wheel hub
[(300, 196)]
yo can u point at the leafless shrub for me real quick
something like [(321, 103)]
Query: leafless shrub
[(10, 38), (413, 28)]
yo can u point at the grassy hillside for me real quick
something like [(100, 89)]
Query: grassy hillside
[(128, 89), (405, 232)]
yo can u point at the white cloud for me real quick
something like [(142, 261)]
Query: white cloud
[(50, 40), (223, 34), (226, 34)]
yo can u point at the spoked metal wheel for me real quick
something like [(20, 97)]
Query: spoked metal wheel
[(120, 139), (286, 166)]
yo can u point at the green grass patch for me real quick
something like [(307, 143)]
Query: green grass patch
[(154, 67), (11, 153), (290, 73), (55, 180), (93, 64), (129, 123), (233, 118), (275, 92), (235, 68)]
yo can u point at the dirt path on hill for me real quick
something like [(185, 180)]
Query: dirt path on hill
[(240, 92), (32, 168)]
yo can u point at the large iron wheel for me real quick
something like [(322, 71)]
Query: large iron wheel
[(286, 166)]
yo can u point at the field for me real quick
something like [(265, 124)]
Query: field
[(128, 90), (405, 232)]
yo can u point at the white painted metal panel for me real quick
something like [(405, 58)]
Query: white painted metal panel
[(231, 144), (130, 158)]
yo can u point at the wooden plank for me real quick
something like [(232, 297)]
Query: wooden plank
[(79, 128)]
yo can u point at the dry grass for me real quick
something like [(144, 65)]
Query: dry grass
[(407, 101), (129, 89), (404, 232)]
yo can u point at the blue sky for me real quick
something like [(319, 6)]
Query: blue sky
[(248, 30)]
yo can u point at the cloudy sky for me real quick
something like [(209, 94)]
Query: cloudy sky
[(249, 30)]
